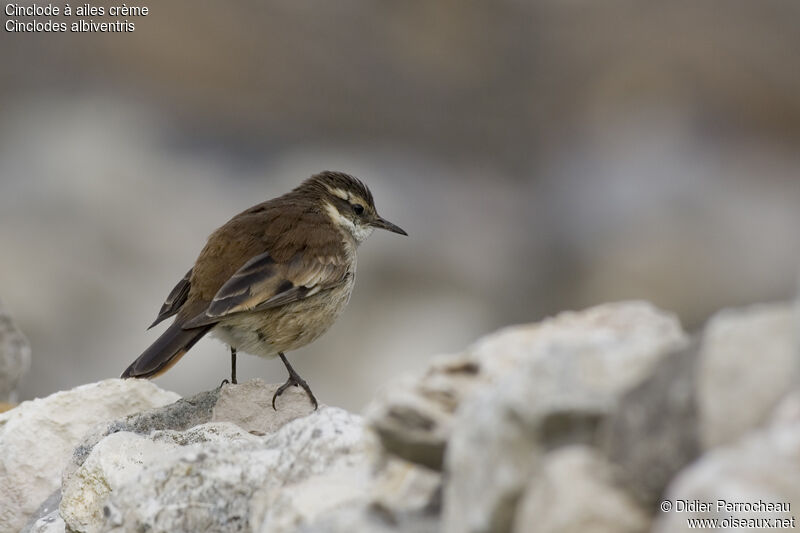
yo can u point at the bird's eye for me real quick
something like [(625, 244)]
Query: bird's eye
[(358, 209)]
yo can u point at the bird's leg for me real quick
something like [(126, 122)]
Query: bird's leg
[(233, 369), (294, 379), (233, 365)]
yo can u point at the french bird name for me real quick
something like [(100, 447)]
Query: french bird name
[(29, 18)]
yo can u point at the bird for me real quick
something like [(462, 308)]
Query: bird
[(272, 279)]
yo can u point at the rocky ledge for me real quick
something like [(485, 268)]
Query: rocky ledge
[(587, 421)]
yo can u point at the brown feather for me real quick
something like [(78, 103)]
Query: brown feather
[(175, 300), (264, 247), (164, 352)]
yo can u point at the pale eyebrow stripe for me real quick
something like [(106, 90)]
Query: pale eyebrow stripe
[(344, 195)]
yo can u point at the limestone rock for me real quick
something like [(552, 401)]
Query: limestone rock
[(749, 359), (248, 405), (119, 459), (551, 384), (764, 466), (37, 438), (578, 423), (372, 519), (654, 432), (15, 357), (50, 523), (414, 416), (204, 478), (393, 496), (575, 492), (115, 454), (244, 467), (46, 516)]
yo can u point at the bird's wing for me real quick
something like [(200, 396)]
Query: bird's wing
[(262, 283), (175, 299)]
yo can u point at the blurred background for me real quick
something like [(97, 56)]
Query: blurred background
[(543, 156)]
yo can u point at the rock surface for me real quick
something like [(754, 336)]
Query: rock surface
[(248, 405), (46, 518), (576, 491), (750, 354), (551, 384), (654, 432), (583, 422), (15, 357), (414, 417), (763, 467), (204, 479), (37, 438), (50, 523), (224, 460)]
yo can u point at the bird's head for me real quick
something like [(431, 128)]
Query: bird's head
[(349, 204)]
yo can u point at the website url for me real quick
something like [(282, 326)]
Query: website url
[(734, 522)]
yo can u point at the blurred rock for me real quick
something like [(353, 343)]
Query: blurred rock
[(581, 422), (38, 436), (575, 492), (46, 517), (358, 497), (549, 384), (51, 523), (654, 432), (15, 357), (402, 498), (764, 466), (414, 416), (750, 359), (372, 519)]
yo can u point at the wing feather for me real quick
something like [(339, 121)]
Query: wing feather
[(261, 283), (175, 299)]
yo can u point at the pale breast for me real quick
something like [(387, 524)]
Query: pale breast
[(286, 328)]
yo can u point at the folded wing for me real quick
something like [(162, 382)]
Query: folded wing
[(175, 299), (263, 283)]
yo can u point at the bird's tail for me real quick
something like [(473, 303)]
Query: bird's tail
[(165, 351)]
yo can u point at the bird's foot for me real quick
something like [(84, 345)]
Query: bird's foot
[(297, 381), (226, 381)]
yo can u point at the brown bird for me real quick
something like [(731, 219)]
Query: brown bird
[(272, 279)]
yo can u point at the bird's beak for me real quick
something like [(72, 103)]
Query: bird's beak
[(382, 223)]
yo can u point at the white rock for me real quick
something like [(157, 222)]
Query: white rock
[(327, 468), (575, 493), (653, 433), (15, 357), (249, 406), (346, 500), (762, 467), (284, 509), (206, 478), (119, 459), (52, 523), (414, 416), (749, 359), (37, 438), (550, 384)]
